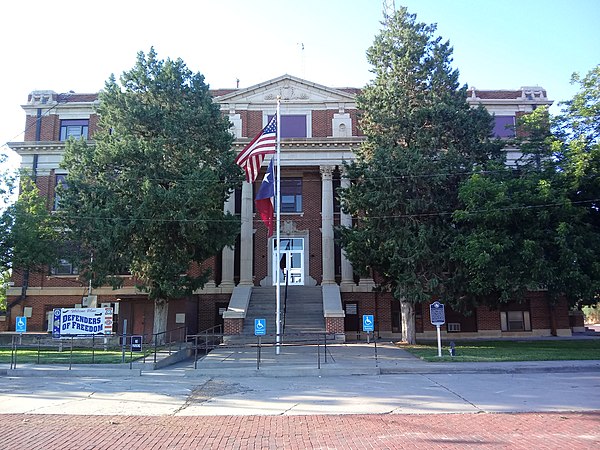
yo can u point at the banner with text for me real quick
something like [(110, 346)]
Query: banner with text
[(82, 322)]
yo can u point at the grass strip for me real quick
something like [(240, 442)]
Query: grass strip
[(513, 350)]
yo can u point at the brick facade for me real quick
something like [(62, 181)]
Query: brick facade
[(303, 158)]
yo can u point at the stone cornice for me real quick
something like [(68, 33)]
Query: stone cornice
[(31, 147), (503, 101), (310, 143)]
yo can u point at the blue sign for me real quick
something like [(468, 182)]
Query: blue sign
[(260, 327), (437, 313), (56, 323), (368, 322), (136, 343), (21, 325)]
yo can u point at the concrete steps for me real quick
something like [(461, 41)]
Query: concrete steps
[(303, 310)]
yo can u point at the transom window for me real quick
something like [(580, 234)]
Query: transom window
[(291, 195), (74, 128)]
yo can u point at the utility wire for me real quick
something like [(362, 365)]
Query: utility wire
[(306, 220)]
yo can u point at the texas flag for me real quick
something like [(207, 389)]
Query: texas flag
[(264, 198)]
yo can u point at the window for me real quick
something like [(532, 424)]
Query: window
[(504, 126), (515, 321), (292, 125), (453, 327), (64, 267), (77, 129), (61, 180), (291, 195)]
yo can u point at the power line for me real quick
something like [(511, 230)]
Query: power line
[(65, 95), (308, 220)]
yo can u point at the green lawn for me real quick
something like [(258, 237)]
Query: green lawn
[(53, 356), (494, 351)]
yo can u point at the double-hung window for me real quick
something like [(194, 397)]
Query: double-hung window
[(74, 128), (64, 267), (292, 125), (504, 126), (61, 180), (291, 195), (515, 320)]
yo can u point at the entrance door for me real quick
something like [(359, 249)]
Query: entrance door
[(291, 261)]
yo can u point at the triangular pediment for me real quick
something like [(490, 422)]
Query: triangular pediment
[(290, 89)]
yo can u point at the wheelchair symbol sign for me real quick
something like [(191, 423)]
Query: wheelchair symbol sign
[(368, 322), (260, 327), (21, 325)]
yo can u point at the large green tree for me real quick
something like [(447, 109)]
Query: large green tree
[(422, 140), (536, 225), (147, 198), (577, 130)]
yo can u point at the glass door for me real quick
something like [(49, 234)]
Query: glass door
[(291, 262)]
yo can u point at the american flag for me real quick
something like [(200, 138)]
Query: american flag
[(252, 156)]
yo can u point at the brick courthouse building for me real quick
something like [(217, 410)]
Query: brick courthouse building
[(319, 130)]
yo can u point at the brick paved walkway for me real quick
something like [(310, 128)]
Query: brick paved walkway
[(497, 431)]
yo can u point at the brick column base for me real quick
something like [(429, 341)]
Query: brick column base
[(233, 326), (334, 324)]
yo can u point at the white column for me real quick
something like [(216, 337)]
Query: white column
[(327, 225), (346, 221), (246, 241), (227, 259)]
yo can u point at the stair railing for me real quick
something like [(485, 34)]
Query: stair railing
[(285, 296)]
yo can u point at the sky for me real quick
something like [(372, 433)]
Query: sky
[(67, 45)]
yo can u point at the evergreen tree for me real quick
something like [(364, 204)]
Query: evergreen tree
[(147, 198), (422, 140)]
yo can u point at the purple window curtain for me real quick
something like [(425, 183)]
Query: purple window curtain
[(504, 126), (292, 125)]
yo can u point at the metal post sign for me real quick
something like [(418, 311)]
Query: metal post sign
[(260, 327), (368, 323), (437, 314), (136, 343), (21, 324)]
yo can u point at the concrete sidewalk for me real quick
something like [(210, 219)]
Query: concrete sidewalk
[(357, 359)]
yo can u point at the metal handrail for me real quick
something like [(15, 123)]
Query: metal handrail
[(205, 334), (40, 343), (319, 339)]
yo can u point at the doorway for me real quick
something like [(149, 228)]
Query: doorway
[(291, 261)]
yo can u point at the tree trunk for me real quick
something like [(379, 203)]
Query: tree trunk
[(161, 309), (23, 296), (408, 322)]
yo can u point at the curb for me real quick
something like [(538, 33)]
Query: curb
[(283, 372), (100, 373)]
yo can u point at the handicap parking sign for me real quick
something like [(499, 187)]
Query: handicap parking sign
[(21, 325), (260, 327), (368, 322)]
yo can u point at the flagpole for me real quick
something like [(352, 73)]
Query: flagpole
[(278, 235)]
